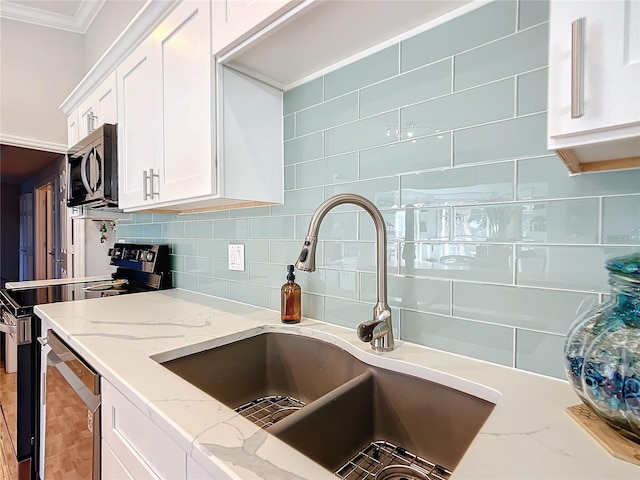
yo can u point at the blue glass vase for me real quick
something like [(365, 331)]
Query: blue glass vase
[(602, 351)]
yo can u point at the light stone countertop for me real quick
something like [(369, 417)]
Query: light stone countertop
[(55, 281), (527, 436)]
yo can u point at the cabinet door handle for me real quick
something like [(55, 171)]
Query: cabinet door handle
[(151, 177), (91, 121), (577, 67), (145, 179)]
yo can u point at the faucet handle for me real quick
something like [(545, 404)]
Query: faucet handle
[(375, 328)]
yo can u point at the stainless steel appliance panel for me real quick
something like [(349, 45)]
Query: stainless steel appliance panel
[(72, 423)]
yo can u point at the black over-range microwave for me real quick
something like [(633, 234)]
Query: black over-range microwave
[(92, 165)]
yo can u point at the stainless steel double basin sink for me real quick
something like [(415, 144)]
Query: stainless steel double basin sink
[(349, 403)]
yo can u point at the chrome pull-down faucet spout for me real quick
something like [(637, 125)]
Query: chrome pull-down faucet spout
[(378, 330)]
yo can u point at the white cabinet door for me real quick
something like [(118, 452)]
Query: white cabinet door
[(98, 108), (139, 123), (73, 128), (234, 20), (186, 164), (111, 468), (611, 73), (144, 450)]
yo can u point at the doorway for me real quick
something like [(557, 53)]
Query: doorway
[(44, 241)]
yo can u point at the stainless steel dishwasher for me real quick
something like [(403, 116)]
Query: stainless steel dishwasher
[(71, 410)]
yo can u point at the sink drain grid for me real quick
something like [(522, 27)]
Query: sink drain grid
[(370, 461), (266, 411)]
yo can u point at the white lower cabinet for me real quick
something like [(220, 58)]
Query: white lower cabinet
[(133, 447), (112, 468), (140, 447)]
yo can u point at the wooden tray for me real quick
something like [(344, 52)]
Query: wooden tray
[(614, 443)]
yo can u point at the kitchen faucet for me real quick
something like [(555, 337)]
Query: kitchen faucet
[(378, 330)]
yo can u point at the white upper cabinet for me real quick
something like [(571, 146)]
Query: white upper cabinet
[(139, 128), (99, 107), (73, 128), (186, 167), (164, 112), (234, 20), (594, 83), (190, 138)]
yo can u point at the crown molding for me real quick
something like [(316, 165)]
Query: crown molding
[(79, 23), (33, 143)]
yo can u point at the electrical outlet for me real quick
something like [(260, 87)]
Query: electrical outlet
[(236, 257)]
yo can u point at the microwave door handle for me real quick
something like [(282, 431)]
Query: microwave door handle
[(83, 171)]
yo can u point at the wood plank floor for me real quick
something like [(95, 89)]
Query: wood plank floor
[(8, 465)]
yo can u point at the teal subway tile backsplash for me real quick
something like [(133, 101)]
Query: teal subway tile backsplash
[(412, 87), (371, 69), (199, 266), (337, 169), (233, 228), (532, 92), (560, 221), (202, 229), (301, 149), (212, 248), (550, 311), (514, 138), (250, 293), (532, 12), (269, 274), (487, 103), (621, 219), (271, 227), (383, 192), (299, 201), (540, 353), (477, 27), (509, 56), (548, 178), (214, 286), (492, 248), (303, 96), (567, 267), (328, 114), (490, 183), (365, 133), (289, 127), (484, 341), (407, 156)]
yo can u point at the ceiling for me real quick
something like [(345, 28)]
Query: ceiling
[(70, 15), (18, 164)]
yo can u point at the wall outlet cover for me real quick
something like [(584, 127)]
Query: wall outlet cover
[(236, 257)]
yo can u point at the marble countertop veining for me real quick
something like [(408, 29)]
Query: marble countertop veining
[(527, 436)]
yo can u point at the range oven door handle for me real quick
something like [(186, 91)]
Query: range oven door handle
[(19, 328)]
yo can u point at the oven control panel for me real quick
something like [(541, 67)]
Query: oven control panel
[(142, 258)]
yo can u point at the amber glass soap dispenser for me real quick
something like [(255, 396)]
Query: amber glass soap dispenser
[(290, 299)]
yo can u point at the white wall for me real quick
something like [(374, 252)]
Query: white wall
[(108, 24), (39, 67)]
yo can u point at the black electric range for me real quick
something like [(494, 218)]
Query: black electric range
[(140, 268)]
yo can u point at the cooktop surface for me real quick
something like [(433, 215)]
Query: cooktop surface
[(22, 301)]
